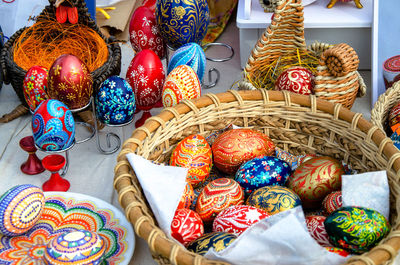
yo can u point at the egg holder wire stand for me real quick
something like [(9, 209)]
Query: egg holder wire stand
[(211, 83)]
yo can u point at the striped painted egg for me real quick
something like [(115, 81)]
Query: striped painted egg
[(217, 240), (20, 208), (187, 197), (332, 202), (190, 54), (186, 226), (181, 83)]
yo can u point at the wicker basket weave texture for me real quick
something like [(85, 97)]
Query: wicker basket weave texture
[(15, 75), (297, 123), (285, 35)]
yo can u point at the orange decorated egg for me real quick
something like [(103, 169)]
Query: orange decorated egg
[(187, 197), (316, 178), (181, 83), (194, 153), (234, 147), (218, 195), (35, 86), (186, 226)]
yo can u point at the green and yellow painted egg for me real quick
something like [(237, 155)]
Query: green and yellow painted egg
[(216, 240)]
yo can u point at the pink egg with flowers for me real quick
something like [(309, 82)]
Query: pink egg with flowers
[(35, 86)]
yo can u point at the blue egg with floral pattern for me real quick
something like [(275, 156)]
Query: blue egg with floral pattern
[(115, 101), (262, 171), (190, 54)]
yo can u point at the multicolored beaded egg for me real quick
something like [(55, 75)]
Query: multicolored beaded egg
[(35, 86), (186, 226), (216, 240), (190, 54)]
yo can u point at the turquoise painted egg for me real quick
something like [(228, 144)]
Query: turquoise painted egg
[(190, 54), (216, 240), (356, 229), (262, 171), (182, 22), (53, 126), (273, 199), (115, 101), (20, 208)]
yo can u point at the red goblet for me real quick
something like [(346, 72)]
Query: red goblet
[(54, 163), (32, 165)]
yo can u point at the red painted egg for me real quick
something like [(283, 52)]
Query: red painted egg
[(146, 76), (338, 251), (186, 226), (234, 147), (70, 82), (236, 219), (181, 83), (35, 86), (187, 197), (316, 228), (144, 32), (394, 115), (194, 153), (218, 195), (296, 79), (332, 202)]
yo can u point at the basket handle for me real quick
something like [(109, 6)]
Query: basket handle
[(340, 60)]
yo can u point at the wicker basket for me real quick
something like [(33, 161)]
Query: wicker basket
[(296, 123), (336, 80), (15, 75)]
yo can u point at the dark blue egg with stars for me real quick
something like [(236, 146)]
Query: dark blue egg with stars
[(262, 171)]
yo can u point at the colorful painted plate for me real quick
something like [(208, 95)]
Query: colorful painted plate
[(66, 211)]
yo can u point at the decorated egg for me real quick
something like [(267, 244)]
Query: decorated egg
[(316, 178), (356, 229), (332, 202), (395, 137), (338, 251), (53, 126), (187, 197), (70, 82), (394, 115), (273, 199), (289, 158), (75, 247), (199, 188), (296, 79), (144, 32), (181, 83), (216, 240), (262, 171), (234, 147), (316, 228), (146, 76), (35, 86), (115, 101), (190, 54), (194, 153), (236, 219), (218, 195), (20, 208), (181, 22), (186, 226)]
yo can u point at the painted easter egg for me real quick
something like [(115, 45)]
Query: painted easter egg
[(53, 126), (186, 226), (20, 208), (338, 251), (181, 22), (289, 158), (70, 82), (273, 199), (356, 229), (190, 54), (181, 83), (115, 101), (262, 171), (296, 79), (75, 247), (216, 240), (394, 115), (187, 197), (144, 32), (316, 178), (236, 219), (218, 195), (199, 188), (35, 86), (234, 147), (332, 202), (395, 137), (193, 152), (316, 228)]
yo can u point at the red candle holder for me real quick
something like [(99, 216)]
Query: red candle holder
[(55, 163), (145, 115), (32, 165)]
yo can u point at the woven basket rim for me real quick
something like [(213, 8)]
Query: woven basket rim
[(158, 241)]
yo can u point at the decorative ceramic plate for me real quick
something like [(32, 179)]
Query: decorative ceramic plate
[(66, 211)]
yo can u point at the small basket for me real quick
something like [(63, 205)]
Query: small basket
[(296, 123), (15, 75), (336, 77)]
